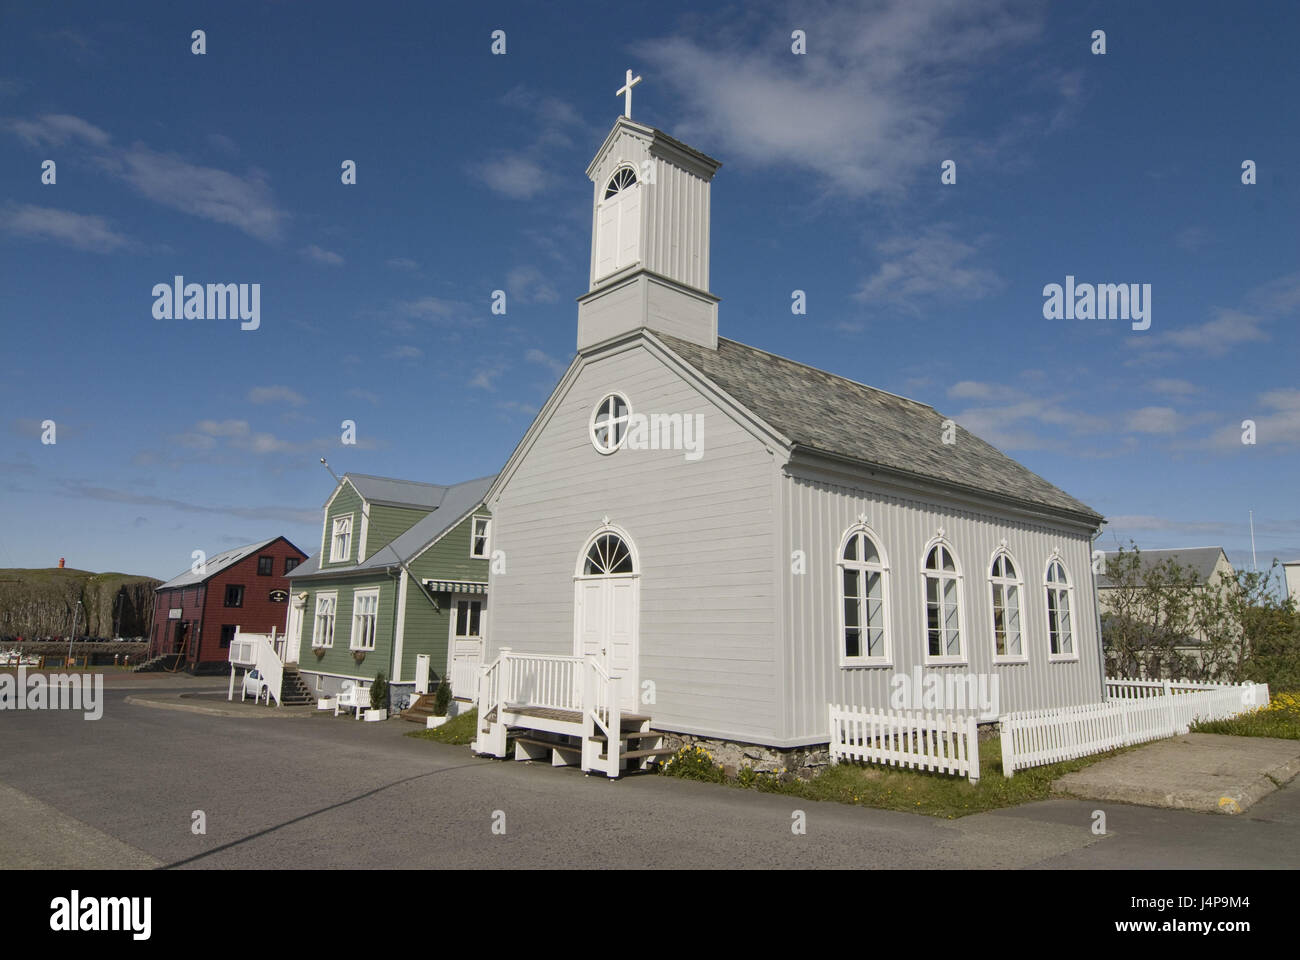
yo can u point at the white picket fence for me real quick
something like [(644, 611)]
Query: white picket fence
[(945, 744), (1135, 711)]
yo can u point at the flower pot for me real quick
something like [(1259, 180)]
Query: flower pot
[(432, 723), (376, 715), (327, 703)]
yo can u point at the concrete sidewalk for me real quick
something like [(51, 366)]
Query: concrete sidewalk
[(1206, 772), (215, 704)]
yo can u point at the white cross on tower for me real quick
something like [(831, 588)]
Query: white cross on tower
[(626, 91)]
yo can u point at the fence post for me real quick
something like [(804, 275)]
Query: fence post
[(1008, 749), (973, 749)]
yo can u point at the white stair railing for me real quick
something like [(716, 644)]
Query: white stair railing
[(601, 710), (490, 737), (256, 651)]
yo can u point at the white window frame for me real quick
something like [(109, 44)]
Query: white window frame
[(334, 537), (333, 597), (1018, 581), (626, 422), (956, 575), (1068, 590), (474, 536), (357, 596), (863, 568), (456, 601)]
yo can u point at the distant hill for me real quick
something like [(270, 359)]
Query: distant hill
[(40, 603)]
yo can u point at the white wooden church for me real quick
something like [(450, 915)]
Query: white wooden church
[(698, 537)]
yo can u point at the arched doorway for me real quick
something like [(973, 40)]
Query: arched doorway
[(607, 608)]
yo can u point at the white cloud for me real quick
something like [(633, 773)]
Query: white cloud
[(1172, 387), (932, 262), (513, 174), (865, 110), (57, 129), (77, 230), (313, 252), (529, 285), (544, 359)]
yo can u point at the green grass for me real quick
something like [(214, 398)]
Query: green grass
[(1281, 719), (458, 730), (934, 794)]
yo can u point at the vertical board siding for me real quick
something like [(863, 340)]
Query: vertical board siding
[(818, 513), (704, 532)]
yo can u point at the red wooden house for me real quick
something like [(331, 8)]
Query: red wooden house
[(196, 613)]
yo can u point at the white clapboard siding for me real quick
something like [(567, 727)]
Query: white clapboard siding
[(1142, 711), (945, 744)]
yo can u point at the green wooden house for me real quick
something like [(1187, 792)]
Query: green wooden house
[(398, 586)]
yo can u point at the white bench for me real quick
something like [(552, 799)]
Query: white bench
[(355, 697)]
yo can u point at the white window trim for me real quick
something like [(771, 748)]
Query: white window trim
[(334, 537), (487, 537), (845, 661), (1019, 583), (315, 618), (454, 619), (943, 660), (1073, 656), (591, 423), (357, 594)]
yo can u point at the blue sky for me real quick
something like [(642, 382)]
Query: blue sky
[(176, 435)]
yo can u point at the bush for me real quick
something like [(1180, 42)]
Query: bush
[(693, 763), (379, 692), (442, 699)]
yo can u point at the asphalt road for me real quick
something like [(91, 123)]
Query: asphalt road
[(321, 792)]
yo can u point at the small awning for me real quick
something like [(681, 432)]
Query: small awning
[(456, 586)]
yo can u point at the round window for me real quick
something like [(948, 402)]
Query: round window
[(609, 423)]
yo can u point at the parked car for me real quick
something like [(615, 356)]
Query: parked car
[(255, 685)]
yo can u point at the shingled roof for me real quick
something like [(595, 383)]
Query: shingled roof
[(832, 415), (454, 502), (1201, 560)]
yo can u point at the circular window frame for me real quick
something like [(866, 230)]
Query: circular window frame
[(591, 423)]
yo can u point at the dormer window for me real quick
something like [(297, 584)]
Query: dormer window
[(618, 223), (341, 544), (478, 541)]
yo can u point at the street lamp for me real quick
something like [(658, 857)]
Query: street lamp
[(75, 610)]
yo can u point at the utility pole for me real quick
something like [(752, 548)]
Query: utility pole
[(75, 610)]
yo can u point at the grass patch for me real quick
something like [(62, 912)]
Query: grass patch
[(459, 730), (1281, 719), (893, 788)]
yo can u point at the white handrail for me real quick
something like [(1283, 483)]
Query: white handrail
[(256, 651)]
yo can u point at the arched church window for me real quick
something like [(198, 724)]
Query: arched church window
[(623, 178)]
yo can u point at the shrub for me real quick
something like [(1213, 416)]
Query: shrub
[(379, 692), (442, 699), (693, 763)]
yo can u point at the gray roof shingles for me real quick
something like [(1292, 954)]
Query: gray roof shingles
[(829, 414), (453, 503), (1202, 560), (214, 565)]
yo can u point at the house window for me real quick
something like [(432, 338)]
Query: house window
[(227, 634), (265, 566), (235, 595), (365, 615), (608, 426), (341, 543), (607, 555), (942, 605), (1008, 641), (322, 632), (1060, 631), (290, 563), (865, 636), (478, 539), (469, 617)]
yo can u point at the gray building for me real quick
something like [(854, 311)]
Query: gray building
[(744, 538)]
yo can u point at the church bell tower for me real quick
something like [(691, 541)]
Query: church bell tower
[(649, 237)]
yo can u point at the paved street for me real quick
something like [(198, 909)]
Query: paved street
[(322, 792)]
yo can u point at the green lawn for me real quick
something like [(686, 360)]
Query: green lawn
[(457, 730), (892, 788), (1281, 719)]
